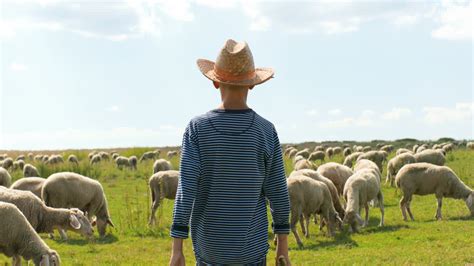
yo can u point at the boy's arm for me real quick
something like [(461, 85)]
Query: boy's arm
[(276, 190), (187, 185)]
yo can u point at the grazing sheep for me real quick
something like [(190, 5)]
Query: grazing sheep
[(71, 190), (470, 145), (32, 184), (7, 163), (332, 189), (358, 148), (45, 158), (121, 162), (310, 197), (347, 151), (95, 159), (91, 154), (73, 159), (366, 149), (396, 163), (319, 148), (297, 159), (115, 155), (337, 173), (368, 164), (5, 178), (329, 152), (104, 156), (29, 171), (20, 157), (304, 164), (336, 150), (292, 153), (55, 159), (403, 150), (171, 154), (317, 155), (360, 189), (30, 156), (430, 156), (288, 149), (424, 179), (349, 160), (19, 239), (420, 149), (387, 148), (149, 155), (304, 153), (378, 157), (162, 185), (448, 147), (38, 158), (2, 157), (45, 219), (18, 165), (161, 165), (133, 160)]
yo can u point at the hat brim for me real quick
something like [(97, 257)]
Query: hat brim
[(261, 74)]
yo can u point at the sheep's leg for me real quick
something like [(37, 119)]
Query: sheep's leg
[(63, 234), (294, 221), (438, 211), (154, 207), (403, 203), (366, 221), (322, 223), (307, 220), (409, 209), (303, 228), (16, 260), (382, 210)]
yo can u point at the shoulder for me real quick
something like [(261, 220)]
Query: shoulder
[(265, 125)]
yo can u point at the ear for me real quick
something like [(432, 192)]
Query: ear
[(110, 223), (74, 222), (216, 84), (44, 260), (470, 200)]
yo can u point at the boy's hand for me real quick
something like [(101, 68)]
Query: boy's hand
[(177, 256), (282, 258)]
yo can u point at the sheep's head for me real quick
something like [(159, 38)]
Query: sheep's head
[(470, 202), (102, 225), (79, 223), (353, 219), (50, 259)]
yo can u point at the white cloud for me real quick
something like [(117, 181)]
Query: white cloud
[(18, 67), (335, 27), (405, 20), (365, 119), (177, 9), (456, 21), (217, 4), (259, 22), (334, 112), (312, 112), (461, 112), (113, 108), (396, 113)]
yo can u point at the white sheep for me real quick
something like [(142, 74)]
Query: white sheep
[(39, 158), (425, 179), (403, 150), (91, 154), (317, 155), (368, 164), (470, 145), (366, 149), (420, 149), (115, 155), (149, 155), (121, 162), (378, 157), (171, 154), (18, 239), (310, 197), (45, 219), (337, 150), (396, 163), (29, 171), (73, 159), (71, 190), (95, 159), (319, 148), (104, 156), (430, 156), (18, 165), (337, 173), (162, 185), (133, 161), (347, 151), (7, 163), (349, 160), (329, 152), (292, 153), (304, 153), (5, 178), (32, 184), (297, 159), (304, 164), (359, 190), (161, 165), (20, 157), (30, 156)]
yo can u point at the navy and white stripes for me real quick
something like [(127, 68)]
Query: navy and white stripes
[(231, 162)]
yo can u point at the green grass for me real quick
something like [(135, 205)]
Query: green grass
[(132, 242)]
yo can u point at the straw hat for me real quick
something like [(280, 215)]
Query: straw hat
[(234, 66)]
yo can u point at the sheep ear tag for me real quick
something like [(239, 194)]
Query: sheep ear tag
[(74, 222)]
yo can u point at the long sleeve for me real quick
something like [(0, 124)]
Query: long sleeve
[(276, 190), (187, 186)]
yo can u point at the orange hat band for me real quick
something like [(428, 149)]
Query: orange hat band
[(227, 76)]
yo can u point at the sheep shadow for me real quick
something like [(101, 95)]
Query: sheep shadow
[(341, 239), (108, 239)]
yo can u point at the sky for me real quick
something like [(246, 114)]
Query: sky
[(98, 74)]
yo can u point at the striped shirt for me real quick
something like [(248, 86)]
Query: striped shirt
[(231, 162)]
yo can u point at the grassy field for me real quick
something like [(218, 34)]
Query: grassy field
[(132, 242)]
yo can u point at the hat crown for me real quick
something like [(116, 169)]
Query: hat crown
[(235, 59)]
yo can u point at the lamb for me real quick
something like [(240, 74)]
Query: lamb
[(149, 155), (133, 160), (329, 152), (347, 151), (5, 178), (162, 185), (19, 239), (29, 171), (71, 190), (310, 197), (359, 190), (337, 173), (45, 219), (95, 159), (304, 164), (430, 156), (332, 189), (7, 163), (32, 184), (317, 155), (73, 159), (18, 165), (171, 154), (396, 163), (349, 160), (161, 165), (377, 157), (403, 150), (424, 179)]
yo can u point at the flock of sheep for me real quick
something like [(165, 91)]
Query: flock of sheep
[(317, 189), (67, 201)]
